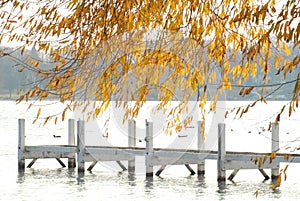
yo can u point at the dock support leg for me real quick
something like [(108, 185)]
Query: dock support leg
[(190, 169), (131, 143), (264, 174), (275, 148), (201, 146), (71, 141), (149, 149), (234, 172), (92, 165), (80, 145), (60, 162), (31, 163), (160, 170), (121, 165), (21, 145), (221, 153)]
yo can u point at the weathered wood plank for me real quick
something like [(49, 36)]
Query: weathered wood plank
[(275, 148), (170, 153), (221, 153), (71, 142), (174, 161), (115, 151), (201, 145), (51, 148), (131, 143), (230, 165), (149, 149), (105, 157), (80, 145), (46, 154), (21, 145)]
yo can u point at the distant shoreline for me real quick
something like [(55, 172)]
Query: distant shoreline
[(15, 99)]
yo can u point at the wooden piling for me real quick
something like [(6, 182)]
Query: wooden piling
[(221, 153), (201, 145), (21, 145), (80, 145), (71, 142), (131, 143), (275, 148), (149, 149)]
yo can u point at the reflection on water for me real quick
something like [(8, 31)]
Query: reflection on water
[(120, 185), (20, 177), (149, 182), (222, 187)]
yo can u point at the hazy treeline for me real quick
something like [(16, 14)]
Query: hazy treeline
[(14, 77)]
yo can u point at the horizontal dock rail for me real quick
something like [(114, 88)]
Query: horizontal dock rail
[(79, 153)]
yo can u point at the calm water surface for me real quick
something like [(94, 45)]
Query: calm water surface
[(47, 181)]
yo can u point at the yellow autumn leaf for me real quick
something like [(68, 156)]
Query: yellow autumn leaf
[(38, 112), (272, 156)]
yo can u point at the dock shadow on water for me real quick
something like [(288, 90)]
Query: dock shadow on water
[(80, 178), (149, 183), (21, 177), (222, 187)]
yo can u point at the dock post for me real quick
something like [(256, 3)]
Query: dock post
[(221, 153), (80, 145), (131, 143), (275, 148), (21, 145), (71, 142), (201, 145), (149, 149)]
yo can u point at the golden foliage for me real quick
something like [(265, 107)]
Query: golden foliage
[(128, 49)]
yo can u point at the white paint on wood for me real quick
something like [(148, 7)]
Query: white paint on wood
[(275, 148), (230, 165), (105, 157), (21, 144), (46, 154), (201, 145), (221, 152), (61, 149), (158, 156), (171, 161), (131, 143), (149, 149), (80, 145), (71, 141)]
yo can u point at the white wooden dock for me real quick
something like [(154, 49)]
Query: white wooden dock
[(153, 156)]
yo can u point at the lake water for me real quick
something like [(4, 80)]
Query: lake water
[(47, 181)]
